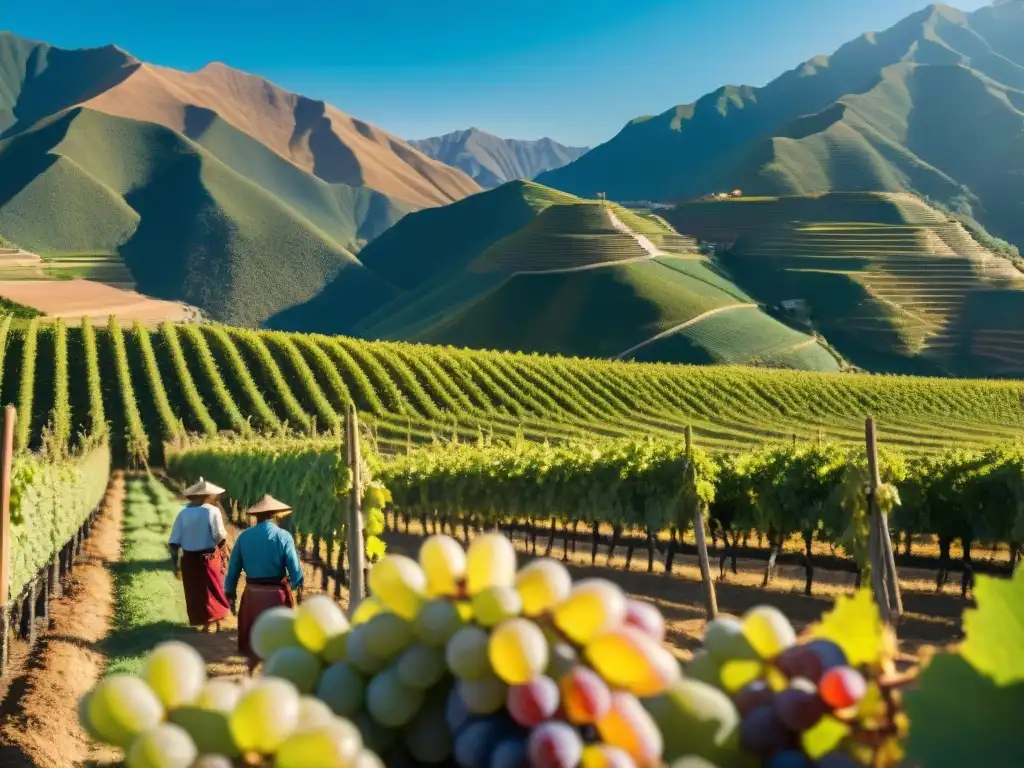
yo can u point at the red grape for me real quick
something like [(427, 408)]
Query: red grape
[(842, 687), (799, 706), (646, 617), (534, 702), (554, 745), (586, 698)]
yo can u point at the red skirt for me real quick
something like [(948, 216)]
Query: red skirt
[(202, 574), (257, 598)]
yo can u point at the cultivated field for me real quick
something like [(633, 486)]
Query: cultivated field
[(75, 299)]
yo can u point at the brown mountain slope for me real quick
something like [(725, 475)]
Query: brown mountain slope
[(312, 134)]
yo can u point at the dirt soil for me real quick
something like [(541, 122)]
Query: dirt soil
[(39, 725), (75, 299)]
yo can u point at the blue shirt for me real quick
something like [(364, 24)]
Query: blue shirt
[(264, 551)]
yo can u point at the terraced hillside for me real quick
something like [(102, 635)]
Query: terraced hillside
[(892, 283), (205, 379), (526, 268)]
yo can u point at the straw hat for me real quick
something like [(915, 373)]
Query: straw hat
[(268, 505), (202, 488)]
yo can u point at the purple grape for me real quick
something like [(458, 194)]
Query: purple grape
[(799, 706), (510, 753), (455, 711), (837, 759), (791, 758), (753, 695), (811, 660), (475, 742), (763, 733)]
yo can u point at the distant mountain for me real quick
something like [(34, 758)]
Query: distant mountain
[(216, 188), (492, 161), (933, 105)]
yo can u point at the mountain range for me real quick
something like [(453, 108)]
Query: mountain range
[(933, 105), (491, 160)]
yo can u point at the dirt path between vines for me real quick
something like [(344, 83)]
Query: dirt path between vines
[(40, 722)]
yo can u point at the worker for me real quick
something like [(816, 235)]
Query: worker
[(266, 554), (198, 534)]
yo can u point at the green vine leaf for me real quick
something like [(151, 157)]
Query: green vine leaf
[(994, 630)]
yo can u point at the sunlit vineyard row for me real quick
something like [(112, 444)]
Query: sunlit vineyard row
[(179, 379)]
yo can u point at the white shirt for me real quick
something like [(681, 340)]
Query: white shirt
[(198, 528)]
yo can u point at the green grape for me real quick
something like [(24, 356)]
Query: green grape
[(219, 695), (483, 696), (165, 746), (400, 584), (342, 688), (390, 702), (387, 634), (313, 712), (121, 707), (490, 562), (208, 728), (376, 737), (335, 745), (265, 716), (336, 648), (317, 620), (273, 629), (542, 584), (420, 666), (725, 641), (359, 653), (444, 562), (768, 631), (466, 653), (297, 665), (703, 666), (368, 760), (494, 605), (213, 761), (83, 718), (428, 737), (696, 719), (176, 673), (437, 621)]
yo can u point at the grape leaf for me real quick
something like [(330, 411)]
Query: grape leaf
[(959, 716), (855, 626), (994, 630)]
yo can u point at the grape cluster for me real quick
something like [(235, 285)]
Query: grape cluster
[(172, 716), (801, 702)]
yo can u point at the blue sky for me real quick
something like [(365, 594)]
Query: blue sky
[(575, 70)]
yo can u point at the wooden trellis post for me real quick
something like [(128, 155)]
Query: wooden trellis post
[(6, 455), (356, 547), (710, 599), (878, 529)]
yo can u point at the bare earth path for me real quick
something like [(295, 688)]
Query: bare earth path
[(40, 726)]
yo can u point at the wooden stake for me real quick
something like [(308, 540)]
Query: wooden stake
[(876, 554), (710, 599), (6, 454), (356, 548)]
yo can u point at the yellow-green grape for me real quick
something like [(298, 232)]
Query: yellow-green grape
[(165, 746), (725, 640), (593, 606), (437, 621), (273, 629), (444, 561), (368, 760), (367, 609), (483, 696), (317, 620), (518, 651), (400, 585), (375, 496), (213, 761), (630, 658), (387, 634), (390, 702), (360, 654), (176, 673), (219, 695), (333, 745), (490, 562), (494, 605), (83, 718), (336, 648), (628, 726), (467, 653), (542, 585), (313, 712), (208, 728), (768, 631), (121, 707), (298, 666), (604, 756), (420, 666), (266, 715)]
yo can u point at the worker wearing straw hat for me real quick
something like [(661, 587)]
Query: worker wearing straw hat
[(267, 556), (199, 535)]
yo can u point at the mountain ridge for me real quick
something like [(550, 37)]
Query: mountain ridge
[(491, 160)]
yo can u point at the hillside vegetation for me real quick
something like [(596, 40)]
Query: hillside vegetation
[(932, 105), (892, 283), (526, 268), (215, 188), (492, 161)]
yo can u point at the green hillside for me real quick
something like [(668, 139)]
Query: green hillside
[(893, 284), (187, 225), (932, 105), (573, 276)]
